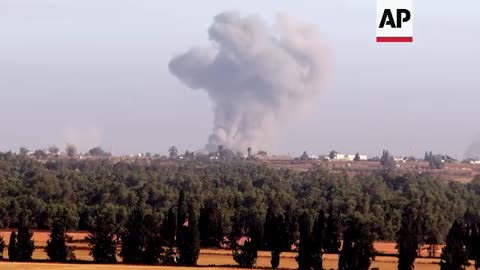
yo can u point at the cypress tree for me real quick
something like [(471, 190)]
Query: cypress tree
[(181, 219), (318, 237), (276, 238), (101, 238), (141, 241), (133, 238), (168, 234), (408, 239), (190, 249), (332, 235), (305, 248), (357, 249), (472, 238), (210, 224), (2, 247), (25, 244), (168, 228), (57, 249), (454, 254), (12, 247), (246, 256), (153, 245)]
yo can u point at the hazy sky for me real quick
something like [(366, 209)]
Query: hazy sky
[(96, 72)]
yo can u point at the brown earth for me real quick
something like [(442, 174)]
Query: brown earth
[(461, 172)]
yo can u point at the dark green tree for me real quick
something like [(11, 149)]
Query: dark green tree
[(246, 254), (2, 247), (332, 232), (306, 246), (190, 248), (154, 252), (141, 241), (102, 237), (318, 238), (12, 247), (276, 236), (472, 241), (388, 161), (25, 244), (357, 250), (57, 249), (408, 239), (168, 234), (211, 225), (454, 254), (168, 228), (133, 238), (181, 219)]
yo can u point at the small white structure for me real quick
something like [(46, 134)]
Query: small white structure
[(348, 157)]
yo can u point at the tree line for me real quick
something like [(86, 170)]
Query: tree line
[(178, 239), (229, 201)]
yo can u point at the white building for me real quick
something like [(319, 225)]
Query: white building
[(348, 157)]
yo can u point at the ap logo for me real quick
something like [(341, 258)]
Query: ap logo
[(394, 20)]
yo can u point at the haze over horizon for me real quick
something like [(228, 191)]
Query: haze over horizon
[(96, 73)]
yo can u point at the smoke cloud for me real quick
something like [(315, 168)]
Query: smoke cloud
[(256, 76)]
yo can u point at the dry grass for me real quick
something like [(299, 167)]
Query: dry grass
[(330, 261), (215, 259)]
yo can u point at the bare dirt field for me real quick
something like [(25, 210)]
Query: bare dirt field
[(219, 261), (461, 172)]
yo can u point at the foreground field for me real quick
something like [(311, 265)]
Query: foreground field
[(218, 262), (222, 259)]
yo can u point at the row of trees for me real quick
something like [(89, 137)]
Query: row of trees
[(178, 239), (232, 199), (462, 242), (239, 190)]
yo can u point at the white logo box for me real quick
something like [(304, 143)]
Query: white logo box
[(395, 34)]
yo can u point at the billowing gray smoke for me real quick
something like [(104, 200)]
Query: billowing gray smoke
[(255, 75)]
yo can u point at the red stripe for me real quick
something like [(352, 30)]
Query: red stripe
[(394, 39)]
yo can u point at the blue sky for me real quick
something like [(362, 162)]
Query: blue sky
[(95, 72)]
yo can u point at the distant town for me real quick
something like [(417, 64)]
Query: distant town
[(352, 163)]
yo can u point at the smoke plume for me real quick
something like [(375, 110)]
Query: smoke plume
[(255, 75)]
